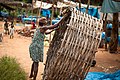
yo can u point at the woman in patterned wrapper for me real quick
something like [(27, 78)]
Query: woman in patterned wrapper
[(37, 45), (12, 29)]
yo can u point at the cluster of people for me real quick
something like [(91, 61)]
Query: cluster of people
[(7, 30)]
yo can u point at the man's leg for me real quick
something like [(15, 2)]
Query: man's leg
[(8, 32), (36, 64), (32, 69)]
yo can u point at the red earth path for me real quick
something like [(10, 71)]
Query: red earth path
[(18, 47)]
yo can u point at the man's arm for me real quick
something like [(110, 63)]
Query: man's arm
[(53, 26), (50, 27), (49, 31)]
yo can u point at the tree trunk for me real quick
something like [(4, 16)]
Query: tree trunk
[(114, 36)]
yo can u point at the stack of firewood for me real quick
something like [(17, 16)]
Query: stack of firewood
[(26, 32)]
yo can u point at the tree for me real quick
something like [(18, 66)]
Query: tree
[(114, 36), (27, 1)]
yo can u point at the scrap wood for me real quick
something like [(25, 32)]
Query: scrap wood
[(26, 32)]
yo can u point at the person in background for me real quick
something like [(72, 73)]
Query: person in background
[(12, 30), (33, 25), (36, 48), (1, 37), (6, 29)]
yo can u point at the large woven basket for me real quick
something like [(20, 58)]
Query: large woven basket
[(73, 47)]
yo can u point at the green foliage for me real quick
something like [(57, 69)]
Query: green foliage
[(29, 1), (4, 10), (10, 69)]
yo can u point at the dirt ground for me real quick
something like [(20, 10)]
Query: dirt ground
[(18, 47)]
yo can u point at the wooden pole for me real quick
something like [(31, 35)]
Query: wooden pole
[(60, 11), (88, 4), (103, 16), (32, 10), (51, 20), (39, 12), (79, 4), (40, 8), (52, 14), (105, 30)]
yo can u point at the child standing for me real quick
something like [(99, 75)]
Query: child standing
[(33, 25), (1, 37), (6, 27), (12, 30)]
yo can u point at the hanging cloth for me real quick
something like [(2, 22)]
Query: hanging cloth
[(110, 6)]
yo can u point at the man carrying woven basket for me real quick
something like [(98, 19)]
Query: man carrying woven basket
[(37, 46)]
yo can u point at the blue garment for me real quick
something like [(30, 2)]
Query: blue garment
[(103, 76), (4, 14), (103, 35), (92, 11), (119, 40), (110, 6), (109, 26), (46, 12), (108, 38)]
